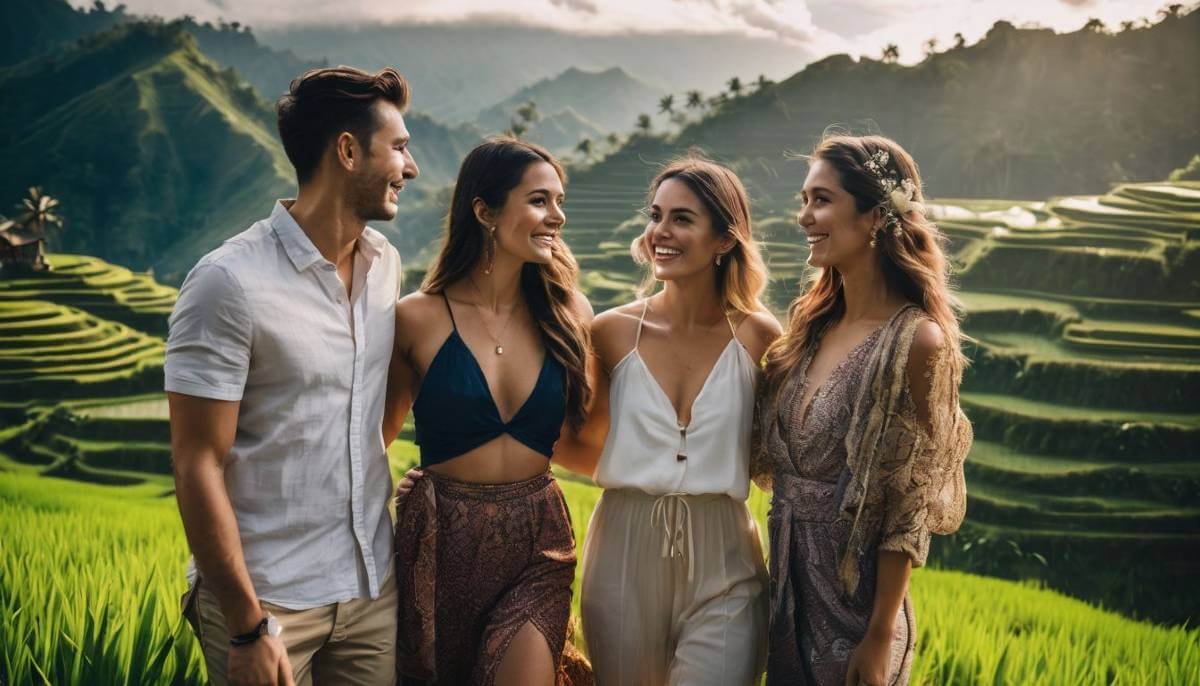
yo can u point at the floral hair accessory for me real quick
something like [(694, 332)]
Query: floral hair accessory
[(900, 195)]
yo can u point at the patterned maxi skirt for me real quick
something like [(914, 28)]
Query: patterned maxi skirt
[(474, 564)]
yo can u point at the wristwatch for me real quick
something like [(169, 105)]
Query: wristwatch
[(269, 626)]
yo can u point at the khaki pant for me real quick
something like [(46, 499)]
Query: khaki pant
[(352, 642)]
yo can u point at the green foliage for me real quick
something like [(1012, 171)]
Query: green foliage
[(1106, 110), (91, 579), (157, 154)]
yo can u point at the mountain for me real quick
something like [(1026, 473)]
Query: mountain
[(610, 99), (457, 70), (1024, 113), (563, 130), (156, 153), (35, 27), (269, 71)]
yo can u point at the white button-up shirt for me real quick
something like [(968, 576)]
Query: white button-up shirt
[(264, 319)]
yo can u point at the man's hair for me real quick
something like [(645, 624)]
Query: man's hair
[(322, 103)]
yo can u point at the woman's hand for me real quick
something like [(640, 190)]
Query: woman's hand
[(406, 484), (870, 660)]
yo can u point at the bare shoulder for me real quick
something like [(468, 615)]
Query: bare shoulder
[(757, 331), (581, 307), (415, 313), (927, 340), (614, 332)]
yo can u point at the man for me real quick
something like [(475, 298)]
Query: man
[(275, 374)]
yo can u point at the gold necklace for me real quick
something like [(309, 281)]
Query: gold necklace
[(499, 349)]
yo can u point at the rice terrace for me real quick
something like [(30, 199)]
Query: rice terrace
[(1079, 278)]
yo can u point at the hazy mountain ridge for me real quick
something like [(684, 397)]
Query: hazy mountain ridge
[(459, 70), (610, 99)]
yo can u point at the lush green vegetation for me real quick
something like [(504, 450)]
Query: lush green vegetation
[(91, 578)]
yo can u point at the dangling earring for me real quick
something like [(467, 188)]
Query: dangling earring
[(719, 256), (491, 251)]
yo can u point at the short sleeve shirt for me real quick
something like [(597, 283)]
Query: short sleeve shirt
[(264, 319)]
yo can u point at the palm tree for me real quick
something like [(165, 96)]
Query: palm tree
[(959, 41), (666, 104), (695, 100), (584, 147), (931, 47), (1094, 25), (1171, 11), (38, 212), (891, 53), (528, 112), (718, 100), (762, 82), (735, 86), (643, 123)]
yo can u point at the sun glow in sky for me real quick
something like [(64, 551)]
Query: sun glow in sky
[(858, 27)]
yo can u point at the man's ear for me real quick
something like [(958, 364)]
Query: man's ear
[(483, 213), (347, 150)]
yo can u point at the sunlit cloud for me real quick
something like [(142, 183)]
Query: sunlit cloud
[(859, 27)]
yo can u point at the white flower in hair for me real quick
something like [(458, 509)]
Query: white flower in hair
[(904, 196)]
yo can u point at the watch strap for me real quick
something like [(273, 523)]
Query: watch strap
[(251, 636)]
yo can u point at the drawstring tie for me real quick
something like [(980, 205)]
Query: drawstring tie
[(674, 515)]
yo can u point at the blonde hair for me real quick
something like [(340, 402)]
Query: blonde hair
[(913, 259), (742, 274)]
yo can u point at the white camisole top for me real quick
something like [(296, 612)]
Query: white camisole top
[(647, 449)]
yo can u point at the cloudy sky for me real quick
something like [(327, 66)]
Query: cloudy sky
[(824, 26)]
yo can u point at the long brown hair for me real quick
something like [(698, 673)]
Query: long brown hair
[(490, 172), (742, 274), (914, 261)]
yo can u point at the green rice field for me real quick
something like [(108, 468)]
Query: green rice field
[(108, 613)]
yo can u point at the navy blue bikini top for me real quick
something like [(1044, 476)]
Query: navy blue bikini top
[(455, 412)]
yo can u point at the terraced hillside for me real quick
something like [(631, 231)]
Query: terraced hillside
[(104, 290), (85, 329), (1085, 393)]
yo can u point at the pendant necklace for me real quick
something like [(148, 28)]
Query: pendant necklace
[(499, 349)]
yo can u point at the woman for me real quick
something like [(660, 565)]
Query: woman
[(490, 355), (674, 582), (859, 430)]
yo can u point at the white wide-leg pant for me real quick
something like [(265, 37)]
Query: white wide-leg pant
[(674, 591)]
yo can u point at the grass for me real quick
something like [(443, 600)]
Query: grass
[(91, 577)]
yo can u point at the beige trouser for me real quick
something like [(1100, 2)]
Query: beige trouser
[(674, 591), (352, 642)]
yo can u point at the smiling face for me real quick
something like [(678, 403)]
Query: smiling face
[(529, 224), (386, 165), (679, 239), (838, 234)]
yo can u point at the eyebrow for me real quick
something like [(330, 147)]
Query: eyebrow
[(542, 190), (402, 139), (816, 189), (677, 210)]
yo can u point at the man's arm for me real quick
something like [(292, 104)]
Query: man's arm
[(202, 432)]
